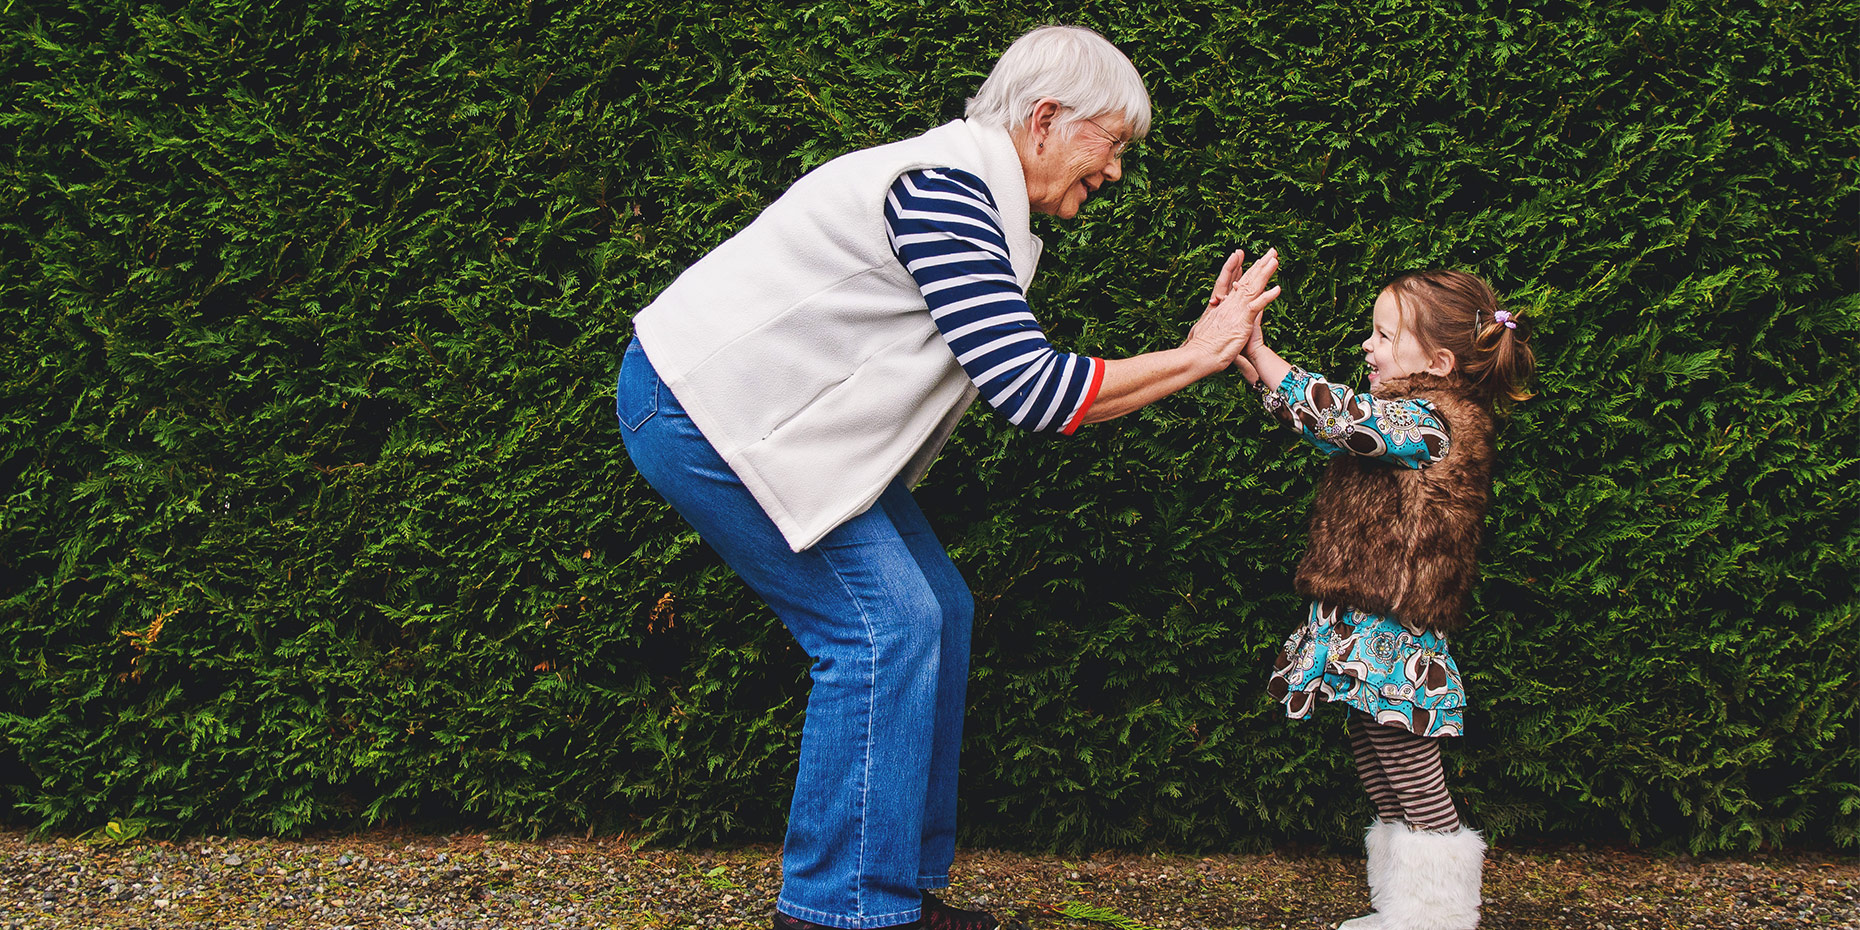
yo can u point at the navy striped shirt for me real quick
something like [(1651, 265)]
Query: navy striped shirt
[(946, 231)]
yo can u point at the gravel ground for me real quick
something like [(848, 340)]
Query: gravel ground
[(389, 879)]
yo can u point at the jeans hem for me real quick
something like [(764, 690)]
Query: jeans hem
[(848, 923), (933, 882)]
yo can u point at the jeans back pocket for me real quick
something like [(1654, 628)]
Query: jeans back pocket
[(636, 397)]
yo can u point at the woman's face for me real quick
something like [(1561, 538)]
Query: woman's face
[(1079, 157), (1392, 351)]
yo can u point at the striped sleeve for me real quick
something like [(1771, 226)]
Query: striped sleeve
[(947, 233)]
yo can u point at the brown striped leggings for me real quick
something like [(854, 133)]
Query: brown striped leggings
[(1402, 773)]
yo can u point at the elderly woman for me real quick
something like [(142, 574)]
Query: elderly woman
[(788, 389)]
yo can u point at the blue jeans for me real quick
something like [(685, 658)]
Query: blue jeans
[(886, 617)]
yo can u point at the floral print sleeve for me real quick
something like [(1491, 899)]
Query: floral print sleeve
[(1337, 420)]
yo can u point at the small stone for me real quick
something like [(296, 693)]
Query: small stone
[(233, 860)]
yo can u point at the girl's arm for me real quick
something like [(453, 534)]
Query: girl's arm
[(1337, 420), (1268, 368)]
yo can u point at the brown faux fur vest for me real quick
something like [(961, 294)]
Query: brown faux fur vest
[(1401, 541)]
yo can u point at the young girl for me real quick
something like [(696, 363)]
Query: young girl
[(1394, 538)]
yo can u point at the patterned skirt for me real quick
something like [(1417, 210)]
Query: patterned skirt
[(1399, 676)]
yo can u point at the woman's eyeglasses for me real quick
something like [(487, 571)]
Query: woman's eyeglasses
[(1118, 145)]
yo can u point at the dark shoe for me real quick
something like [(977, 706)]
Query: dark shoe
[(940, 916)]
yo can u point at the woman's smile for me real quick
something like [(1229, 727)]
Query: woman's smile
[(1078, 159)]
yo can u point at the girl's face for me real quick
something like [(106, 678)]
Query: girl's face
[(1392, 351)]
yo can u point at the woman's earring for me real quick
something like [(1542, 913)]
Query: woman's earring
[(1042, 146)]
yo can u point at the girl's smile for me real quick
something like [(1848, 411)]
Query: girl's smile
[(1391, 351)]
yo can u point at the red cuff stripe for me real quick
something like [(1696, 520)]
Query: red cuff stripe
[(1091, 394)]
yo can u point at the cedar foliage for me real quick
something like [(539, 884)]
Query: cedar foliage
[(315, 511)]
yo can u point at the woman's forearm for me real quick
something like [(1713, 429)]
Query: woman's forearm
[(1133, 383)]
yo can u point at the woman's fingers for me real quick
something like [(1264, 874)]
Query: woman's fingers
[(1231, 319), (1232, 266), (1262, 271), (1224, 282), (1257, 339), (1253, 282)]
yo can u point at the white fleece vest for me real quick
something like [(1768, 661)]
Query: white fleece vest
[(803, 350)]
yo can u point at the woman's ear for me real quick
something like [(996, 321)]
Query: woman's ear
[(1441, 363), (1040, 122)]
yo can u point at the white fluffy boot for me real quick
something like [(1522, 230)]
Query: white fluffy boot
[(1377, 841), (1432, 881)]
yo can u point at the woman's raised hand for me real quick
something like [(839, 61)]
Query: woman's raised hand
[(1213, 344), (1224, 281), (1231, 321)]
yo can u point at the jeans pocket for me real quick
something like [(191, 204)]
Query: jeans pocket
[(636, 398)]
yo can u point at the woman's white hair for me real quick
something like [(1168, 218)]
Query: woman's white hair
[(1071, 64)]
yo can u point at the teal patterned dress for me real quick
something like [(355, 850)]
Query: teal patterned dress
[(1399, 675)]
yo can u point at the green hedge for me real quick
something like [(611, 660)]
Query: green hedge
[(316, 514)]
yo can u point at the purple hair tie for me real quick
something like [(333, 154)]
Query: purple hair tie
[(1504, 316)]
